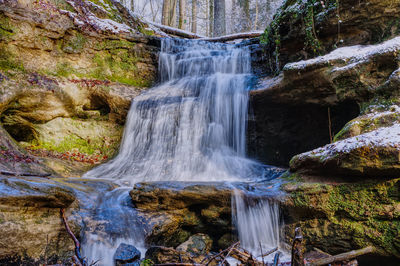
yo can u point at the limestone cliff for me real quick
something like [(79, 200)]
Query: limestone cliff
[(68, 71)]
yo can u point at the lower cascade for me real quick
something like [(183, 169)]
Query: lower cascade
[(192, 127)]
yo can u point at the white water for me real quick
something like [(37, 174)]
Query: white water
[(258, 224), (192, 127)]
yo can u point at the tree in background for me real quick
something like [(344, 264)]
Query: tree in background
[(207, 17), (219, 18)]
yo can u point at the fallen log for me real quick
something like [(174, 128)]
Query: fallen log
[(191, 35), (78, 257), (236, 36), (342, 257), (175, 31)]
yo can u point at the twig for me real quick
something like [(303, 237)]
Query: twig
[(76, 242), (219, 254), (227, 255), (342, 257), (269, 252)]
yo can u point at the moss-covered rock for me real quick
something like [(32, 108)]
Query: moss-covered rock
[(340, 217), (30, 224), (303, 29), (72, 66)]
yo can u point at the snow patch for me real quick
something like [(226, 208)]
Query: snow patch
[(382, 137), (348, 55)]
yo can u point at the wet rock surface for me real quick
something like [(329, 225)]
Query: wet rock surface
[(126, 254), (175, 211), (198, 244)]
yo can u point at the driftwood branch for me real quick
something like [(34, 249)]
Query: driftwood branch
[(232, 37), (342, 257), (220, 254), (78, 256), (175, 31), (190, 35), (269, 252)]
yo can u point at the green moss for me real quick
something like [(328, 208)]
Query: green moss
[(9, 61), (108, 44), (146, 262), (62, 4), (113, 12), (145, 31), (360, 210), (6, 29), (75, 44), (64, 69), (73, 142)]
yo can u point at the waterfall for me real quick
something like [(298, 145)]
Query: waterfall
[(192, 127), (257, 222)]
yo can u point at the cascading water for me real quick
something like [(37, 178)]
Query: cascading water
[(257, 222), (192, 127)]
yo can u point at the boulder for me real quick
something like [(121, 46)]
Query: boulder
[(160, 255), (312, 100), (126, 254), (30, 224), (198, 244), (339, 216), (305, 29), (373, 154), (177, 210), (65, 63)]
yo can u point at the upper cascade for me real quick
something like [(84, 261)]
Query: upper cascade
[(192, 127)]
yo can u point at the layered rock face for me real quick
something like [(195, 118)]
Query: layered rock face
[(305, 29), (340, 113), (68, 71), (176, 211), (30, 223), (310, 101)]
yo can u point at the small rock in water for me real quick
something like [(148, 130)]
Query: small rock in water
[(198, 244), (126, 255)]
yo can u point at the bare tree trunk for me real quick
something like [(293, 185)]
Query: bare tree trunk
[(182, 5), (211, 18), (256, 19), (207, 17), (172, 19), (133, 5), (165, 12), (194, 16), (219, 18), (246, 8)]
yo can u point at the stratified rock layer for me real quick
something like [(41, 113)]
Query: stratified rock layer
[(69, 69)]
